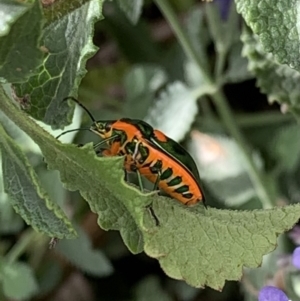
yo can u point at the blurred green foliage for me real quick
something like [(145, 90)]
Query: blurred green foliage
[(189, 69)]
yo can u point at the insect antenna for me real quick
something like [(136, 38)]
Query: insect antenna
[(87, 111), (80, 104), (73, 130)]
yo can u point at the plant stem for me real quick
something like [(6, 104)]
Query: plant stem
[(263, 119), (170, 15), (19, 248), (220, 63), (255, 176), (221, 105)]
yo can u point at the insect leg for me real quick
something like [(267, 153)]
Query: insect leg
[(105, 141), (156, 168), (136, 150), (140, 180)]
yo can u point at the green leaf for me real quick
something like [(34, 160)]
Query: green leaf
[(237, 65), (278, 34), (220, 31), (224, 33), (95, 179), (149, 289), (141, 83), (26, 195), (223, 167), (205, 247), (55, 10), (50, 275), (10, 222), (174, 111), (98, 82), (193, 75), (19, 50), (269, 267), (201, 246), (144, 79), (197, 31), (64, 66), (279, 82), (10, 12), (286, 148), (134, 41), (182, 290), (132, 9), (18, 281), (80, 252)]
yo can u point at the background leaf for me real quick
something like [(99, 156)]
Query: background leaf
[(222, 167), (141, 83), (64, 65), (174, 111), (24, 34), (149, 289), (10, 222), (26, 195), (132, 9), (50, 276), (18, 281), (80, 252), (279, 82), (286, 148), (11, 11), (134, 41), (237, 65), (197, 32)]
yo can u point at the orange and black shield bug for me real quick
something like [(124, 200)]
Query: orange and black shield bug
[(149, 153)]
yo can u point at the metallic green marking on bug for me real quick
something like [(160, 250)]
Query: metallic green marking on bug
[(156, 167), (182, 189), (187, 195), (166, 174), (175, 181)]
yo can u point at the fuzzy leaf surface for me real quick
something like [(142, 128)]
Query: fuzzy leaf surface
[(94, 177), (202, 247), (279, 82), (67, 43), (19, 49), (174, 111), (205, 247), (277, 25), (26, 194)]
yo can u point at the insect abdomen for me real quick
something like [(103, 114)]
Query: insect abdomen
[(174, 179)]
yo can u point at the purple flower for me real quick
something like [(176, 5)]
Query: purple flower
[(224, 6), (271, 293), (296, 258)]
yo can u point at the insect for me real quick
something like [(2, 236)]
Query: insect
[(149, 153)]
